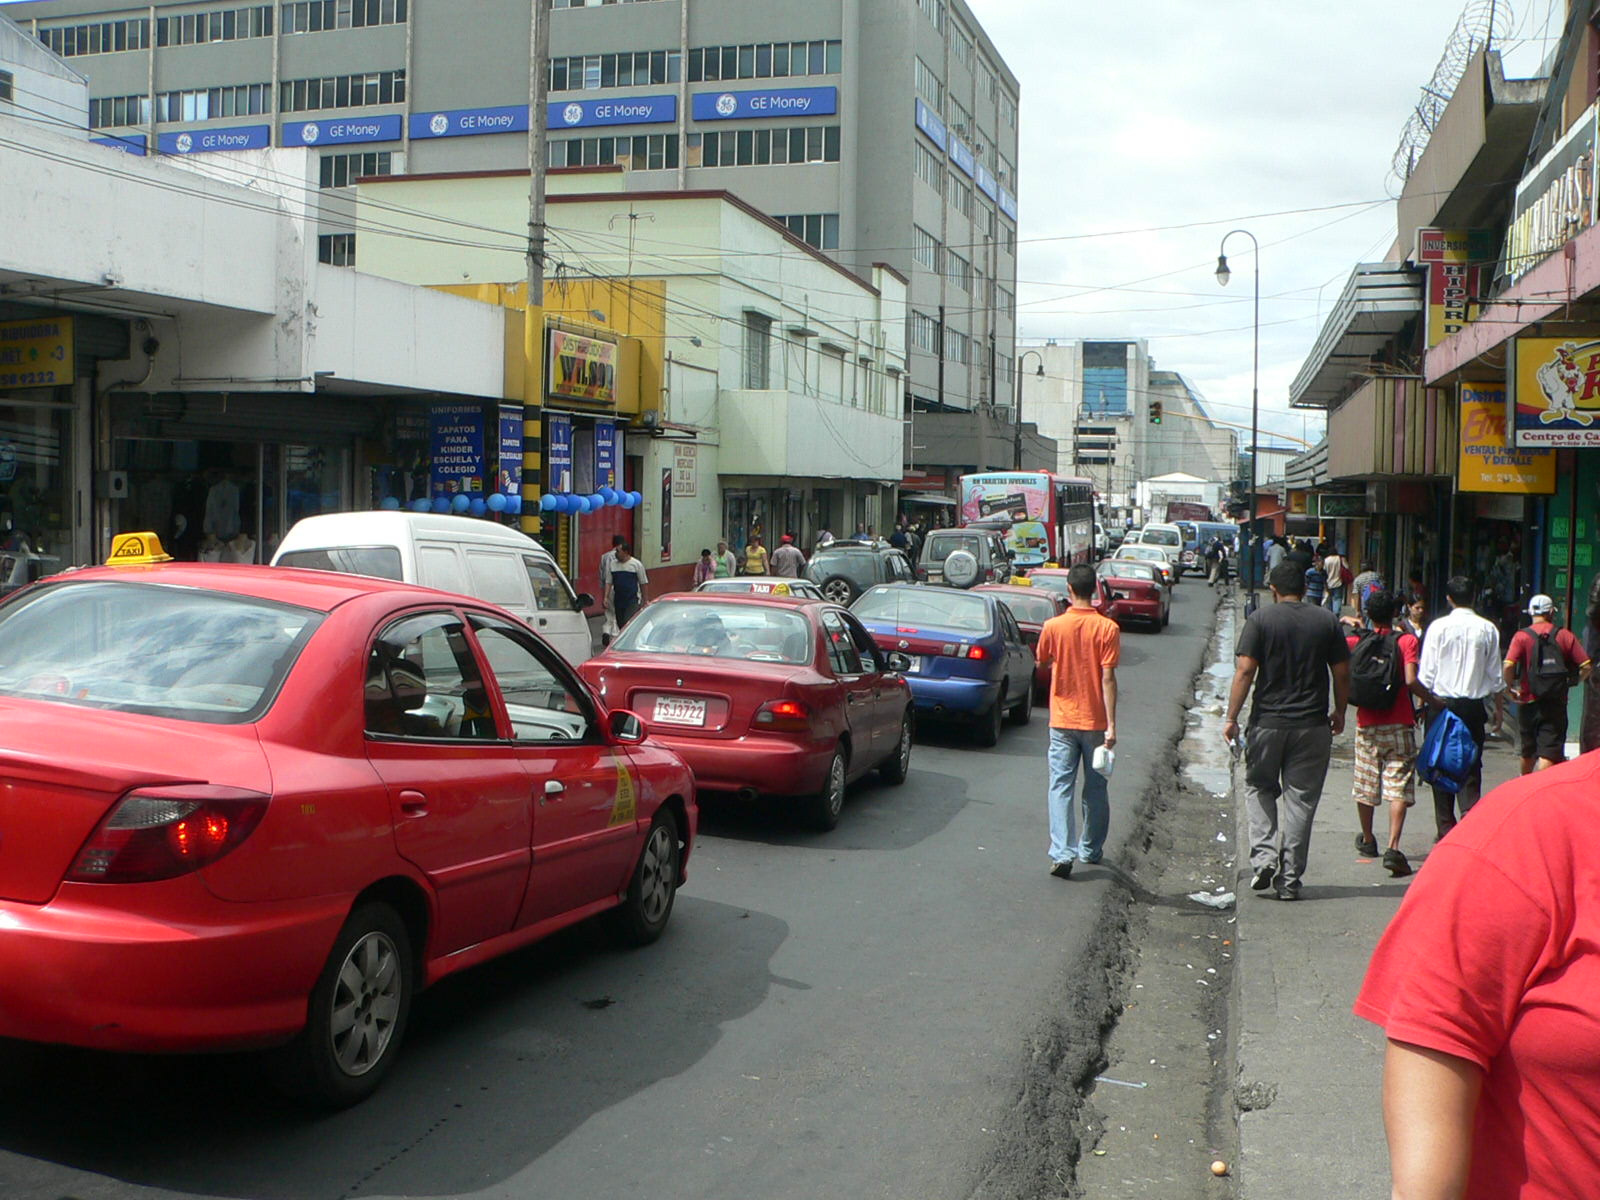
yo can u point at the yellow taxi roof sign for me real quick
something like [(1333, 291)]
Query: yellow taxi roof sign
[(780, 589), (135, 550), (1021, 581)]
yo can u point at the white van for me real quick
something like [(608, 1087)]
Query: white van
[(1169, 538), (470, 557)]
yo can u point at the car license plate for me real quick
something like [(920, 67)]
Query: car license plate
[(677, 710)]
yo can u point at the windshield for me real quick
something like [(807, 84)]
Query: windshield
[(941, 546), (922, 607), (1187, 529), (1162, 537), (1036, 610), (150, 648), (1141, 554), (1124, 569), (748, 632)]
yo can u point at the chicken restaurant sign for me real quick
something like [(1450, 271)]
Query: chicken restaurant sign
[(1554, 395)]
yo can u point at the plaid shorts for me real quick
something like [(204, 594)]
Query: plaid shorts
[(1385, 755)]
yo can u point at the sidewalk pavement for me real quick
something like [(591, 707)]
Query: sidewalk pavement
[(1309, 1073)]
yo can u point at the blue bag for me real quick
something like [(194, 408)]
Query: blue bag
[(1448, 752)]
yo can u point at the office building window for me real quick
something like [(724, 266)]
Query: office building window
[(961, 43), (986, 219), (924, 248), (957, 346), (343, 91), (314, 16), (341, 170), (757, 351), (205, 104), (928, 85), (960, 195), (101, 37), (8, 87), (958, 270), (1006, 302), (820, 230), (929, 169), (337, 249), (934, 11), (1008, 238), (960, 119), (761, 147), (1008, 110), (108, 112), (988, 82), (592, 3), (924, 332), (219, 25), (629, 68), (644, 152), (765, 60)]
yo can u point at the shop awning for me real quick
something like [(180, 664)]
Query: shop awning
[(1375, 305)]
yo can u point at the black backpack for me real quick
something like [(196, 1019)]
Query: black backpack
[(1549, 674), (1375, 671)]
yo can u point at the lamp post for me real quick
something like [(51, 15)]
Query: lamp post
[(1016, 443), (1223, 275)]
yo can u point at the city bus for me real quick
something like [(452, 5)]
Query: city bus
[(1045, 517)]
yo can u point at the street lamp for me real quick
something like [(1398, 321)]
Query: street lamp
[(1016, 444), (1223, 275)]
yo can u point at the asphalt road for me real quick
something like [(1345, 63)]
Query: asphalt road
[(857, 1014)]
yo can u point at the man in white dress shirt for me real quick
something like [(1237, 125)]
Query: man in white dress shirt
[(1461, 670)]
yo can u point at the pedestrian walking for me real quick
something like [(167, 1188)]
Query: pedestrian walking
[(1286, 655), (1542, 664), (1299, 554), (1275, 554), (626, 591), (1383, 686), (788, 560), (755, 556), (1082, 648), (1337, 570), (727, 563), (1415, 619), (1214, 562), (1461, 670), (705, 569), (1316, 584), (608, 562), (1365, 580)]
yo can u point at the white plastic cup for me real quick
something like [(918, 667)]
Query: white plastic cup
[(1104, 760)]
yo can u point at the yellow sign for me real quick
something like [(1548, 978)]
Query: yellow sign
[(625, 808), (1555, 391), (582, 368), (36, 352), (135, 550), (1487, 463), (1455, 259)]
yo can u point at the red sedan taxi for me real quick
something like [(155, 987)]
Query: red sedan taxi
[(1135, 592), (250, 807), (1032, 607), (763, 695)]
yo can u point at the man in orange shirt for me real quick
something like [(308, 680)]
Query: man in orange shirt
[(1082, 648)]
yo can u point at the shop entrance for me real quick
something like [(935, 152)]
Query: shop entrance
[(225, 501)]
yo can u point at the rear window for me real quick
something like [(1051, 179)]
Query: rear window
[(1162, 537), (941, 547), (380, 562), (738, 631), (1034, 609), (940, 608), (164, 651)]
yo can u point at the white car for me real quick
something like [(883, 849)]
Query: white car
[(1169, 538)]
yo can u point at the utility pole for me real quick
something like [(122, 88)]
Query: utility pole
[(538, 104)]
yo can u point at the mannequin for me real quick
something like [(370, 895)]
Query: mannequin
[(239, 549)]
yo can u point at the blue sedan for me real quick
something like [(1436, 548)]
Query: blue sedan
[(968, 657)]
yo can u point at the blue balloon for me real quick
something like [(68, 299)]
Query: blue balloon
[(609, 494), (583, 504), (597, 501), (513, 504), (638, 497), (441, 504), (460, 502), (478, 506), (422, 504), (627, 500), (496, 502), (548, 503), (390, 503), (567, 504)]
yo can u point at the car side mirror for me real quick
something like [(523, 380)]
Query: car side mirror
[(585, 600), (899, 662), (625, 726)]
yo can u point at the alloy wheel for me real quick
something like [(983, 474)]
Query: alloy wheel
[(656, 878), (366, 1003)]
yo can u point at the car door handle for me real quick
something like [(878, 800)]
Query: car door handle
[(553, 787), (413, 804)]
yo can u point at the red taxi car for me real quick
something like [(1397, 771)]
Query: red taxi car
[(243, 806), (1136, 592), (763, 695), (1032, 607)]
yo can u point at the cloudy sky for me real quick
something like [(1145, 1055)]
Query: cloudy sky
[(1160, 113)]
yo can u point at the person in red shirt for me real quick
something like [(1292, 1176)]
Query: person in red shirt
[(1487, 985), (1542, 720), (1386, 741)]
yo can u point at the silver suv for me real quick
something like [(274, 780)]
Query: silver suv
[(964, 558)]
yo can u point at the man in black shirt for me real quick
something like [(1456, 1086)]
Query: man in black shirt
[(1287, 651)]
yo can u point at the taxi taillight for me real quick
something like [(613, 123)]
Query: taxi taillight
[(783, 716), (163, 832)]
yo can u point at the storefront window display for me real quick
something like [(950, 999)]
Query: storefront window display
[(35, 490)]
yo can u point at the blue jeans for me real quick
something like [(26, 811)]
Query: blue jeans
[(1070, 750), (1335, 599)]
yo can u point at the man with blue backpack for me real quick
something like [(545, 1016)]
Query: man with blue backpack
[(1461, 671)]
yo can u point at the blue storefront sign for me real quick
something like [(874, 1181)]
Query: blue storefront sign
[(961, 154), (209, 141), (987, 184), (766, 102), (509, 478), (341, 131), (455, 448), (605, 454), (928, 121), (1008, 204), (467, 122), (133, 143), (629, 110), (558, 453)]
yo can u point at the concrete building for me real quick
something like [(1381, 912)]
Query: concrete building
[(777, 374), (38, 85), (878, 132)]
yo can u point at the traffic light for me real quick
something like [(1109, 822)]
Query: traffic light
[(1155, 412)]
